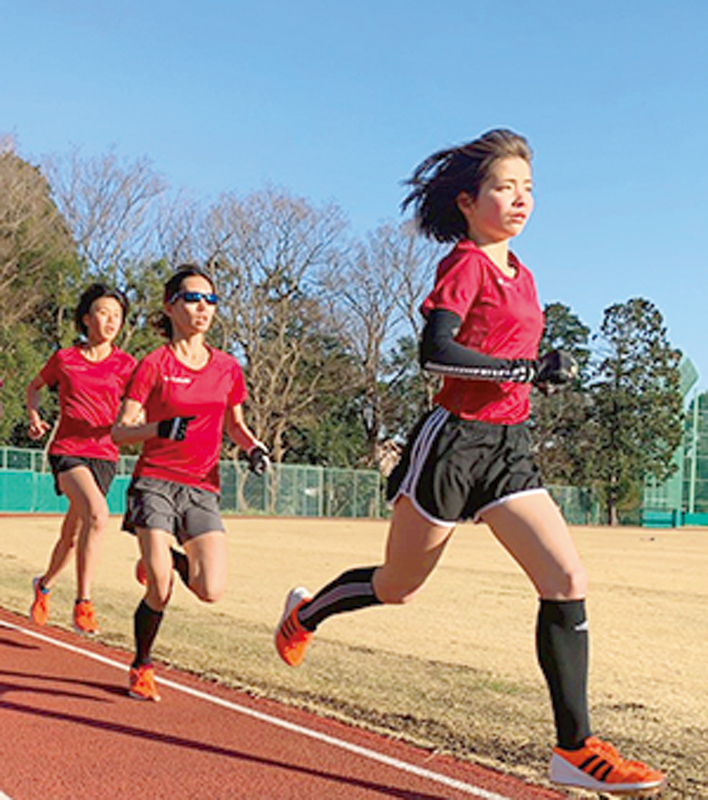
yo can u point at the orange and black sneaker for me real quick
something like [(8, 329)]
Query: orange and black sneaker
[(291, 639), (85, 617), (141, 683), (39, 610), (598, 766), (141, 575)]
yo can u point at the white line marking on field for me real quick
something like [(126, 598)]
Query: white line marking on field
[(342, 744)]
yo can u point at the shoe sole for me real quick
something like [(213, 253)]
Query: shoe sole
[(85, 632), (294, 598), (144, 699), (565, 774)]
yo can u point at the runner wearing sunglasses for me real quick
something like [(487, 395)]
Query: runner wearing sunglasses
[(187, 391)]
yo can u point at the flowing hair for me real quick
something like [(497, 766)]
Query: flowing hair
[(437, 181)]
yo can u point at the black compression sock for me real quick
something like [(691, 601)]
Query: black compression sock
[(181, 565), (351, 591), (562, 648), (146, 623)]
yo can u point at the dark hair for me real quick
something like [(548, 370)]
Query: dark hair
[(94, 292), (173, 286), (438, 181)]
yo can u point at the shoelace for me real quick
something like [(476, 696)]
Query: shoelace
[(610, 752)]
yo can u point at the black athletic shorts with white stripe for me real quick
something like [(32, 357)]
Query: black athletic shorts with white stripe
[(454, 469)]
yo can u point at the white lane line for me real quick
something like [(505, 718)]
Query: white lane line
[(364, 752)]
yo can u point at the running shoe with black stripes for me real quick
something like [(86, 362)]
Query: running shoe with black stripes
[(141, 683), (597, 766), (291, 639)]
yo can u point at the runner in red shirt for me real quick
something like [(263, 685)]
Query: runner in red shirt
[(177, 404), (91, 378), (470, 458)]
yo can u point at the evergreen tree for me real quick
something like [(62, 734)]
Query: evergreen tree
[(558, 420), (636, 415), (39, 276)]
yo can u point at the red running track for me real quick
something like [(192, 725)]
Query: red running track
[(68, 730)]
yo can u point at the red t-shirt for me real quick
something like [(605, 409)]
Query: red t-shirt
[(89, 395), (167, 388), (501, 317)]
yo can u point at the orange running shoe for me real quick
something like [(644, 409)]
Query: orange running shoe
[(599, 767), (141, 575), (85, 617), (291, 639), (39, 610), (142, 683)]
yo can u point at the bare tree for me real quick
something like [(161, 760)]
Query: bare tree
[(266, 252), (110, 206), (375, 297)]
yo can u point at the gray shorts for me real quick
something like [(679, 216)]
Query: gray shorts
[(185, 511)]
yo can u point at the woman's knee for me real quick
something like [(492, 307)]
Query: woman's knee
[(393, 590), (207, 584), (568, 584), (97, 519), (209, 591)]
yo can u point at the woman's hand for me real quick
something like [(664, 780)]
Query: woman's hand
[(37, 427)]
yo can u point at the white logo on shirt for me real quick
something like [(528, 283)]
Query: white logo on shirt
[(175, 379)]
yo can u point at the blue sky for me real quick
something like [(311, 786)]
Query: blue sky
[(340, 100)]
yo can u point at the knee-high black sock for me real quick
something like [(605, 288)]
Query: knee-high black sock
[(146, 623), (350, 591), (181, 565), (562, 647)]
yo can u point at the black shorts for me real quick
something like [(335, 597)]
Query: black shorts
[(103, 471), (185, 511), (453, 469)]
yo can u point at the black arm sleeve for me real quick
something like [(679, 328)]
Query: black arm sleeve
[(440, 353)]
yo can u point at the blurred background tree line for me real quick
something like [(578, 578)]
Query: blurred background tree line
[(324, 323)]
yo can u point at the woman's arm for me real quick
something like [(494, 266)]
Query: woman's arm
[(129, 427), (243, 437), (37, 426), (440, 353), (238, 430)]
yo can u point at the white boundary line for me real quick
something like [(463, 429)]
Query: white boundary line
[(364, 752)]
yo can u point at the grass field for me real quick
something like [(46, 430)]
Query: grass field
[(455, 671)]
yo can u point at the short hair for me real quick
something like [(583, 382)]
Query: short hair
[(95, 292), (173, 286), (437, 181)]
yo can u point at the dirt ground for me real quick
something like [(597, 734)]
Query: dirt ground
[(412, 669)]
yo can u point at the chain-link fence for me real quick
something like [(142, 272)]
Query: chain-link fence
[(683, 498), (579, 506), (26, 485)]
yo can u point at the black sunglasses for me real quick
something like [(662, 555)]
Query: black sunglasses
[(194, 297)]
